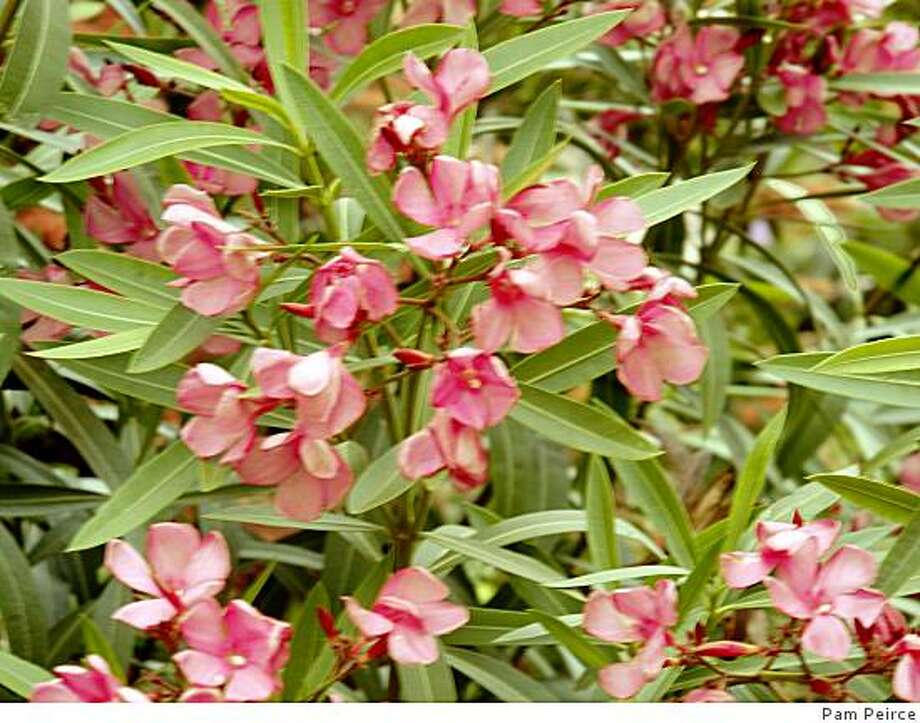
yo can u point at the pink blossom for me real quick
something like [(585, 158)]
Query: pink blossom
[(409, 613), (458, 198), (208, 107), (237, 649), (701, 69), (804, 96), (709, 695), (906, 681), (224, 421), (345, 292), (647, 17), (571, 232), (778, 542), (116, 214), (184, 568), (455, 12), (638, 614), (107, 82), (311, 477), (418, 131), (910, 472), (345, 21), (328, 399), (238, 23), (827, 595), (216, 280), (474, 388), (877, 170), (202, 695), (518, 313), (445, 444), (95, 684), (894, 49), (656, 345), (38, 327), (521, 8)]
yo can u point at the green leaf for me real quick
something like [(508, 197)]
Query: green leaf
[(667, 202), (385, 55), (180, 332), (825, 225), (890, 271), (152, 488), (751, 479), (150, 143), (634, 186), (638, 572), (886, 355), (109, 118), (516, 59), (717, 374), (118, 343), (647, 484), (166, 66), (536, 134), (110, 373), (76, 420), (579, 426), (589, 352), (338, 143), (265, 515), (903, 559), (568, 638), (124, 274), (21, 676), (79, 306), (427, 683), (307, 642), (198, 29), (513, 563), (898, 195), (506, 683), (96, 643), (599, 507), (879, 83), (378, 484), (21, 608), (27, 500), (896, 504), (37, 60)]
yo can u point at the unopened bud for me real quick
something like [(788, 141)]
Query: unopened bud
[(327, 623), (413, 358), (726, 649), (304, 310)]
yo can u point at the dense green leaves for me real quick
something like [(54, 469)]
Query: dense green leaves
[(21, 608), (179, 332), (498, 677)]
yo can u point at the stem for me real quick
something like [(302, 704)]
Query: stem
[(7, 15)]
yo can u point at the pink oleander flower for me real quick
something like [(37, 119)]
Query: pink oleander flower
[(107, 82), (827, 595), (906, 681), (345, 22), (225, 420), (216, 280), (657, 344), (418, 131), (458, 198), (184, 568), (877, 170), (474, 388), (237, 21), (518, 312), (804, 96), (572, 232), (116, 214), (778, 542), (638, 614), (344, 293), (409, 613), (611, 128), (709, 695), (454, 12), (445, 444), (647, 17), (237, 649), (327, 398), (893, 49), (909, 475), (310, 476), (38, 327), (701, 69), (521, 8), (94, 684)]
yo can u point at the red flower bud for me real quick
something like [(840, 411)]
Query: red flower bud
[(327, 623), (413, 358), (726, 649), (378, 649), (304, 310)]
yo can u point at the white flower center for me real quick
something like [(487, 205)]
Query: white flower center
[(237, 661)]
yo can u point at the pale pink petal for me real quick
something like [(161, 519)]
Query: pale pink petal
[(437, 245), (622, 680), (369, 623), (207, 571), (743, 569), (146, 614), (408, 646), (419, 456), (271, 367), (492, 324), (906, 680), (170, 546), (441, 618), (828, 637), (603, 620), (414, 198), (202, 669), (847, 570), (53, 692), (249, 683), (463, 78), (203, 629), (864, 605), (786, 600), (129, 568), (414, 584)]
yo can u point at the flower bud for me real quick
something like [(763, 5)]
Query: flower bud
[(304, 310), (413, 358), (327, 623), (726, 649)]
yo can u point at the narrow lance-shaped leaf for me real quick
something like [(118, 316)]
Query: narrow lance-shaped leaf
[(21, 609), (599, 506), (536, 135), (180, 332)]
